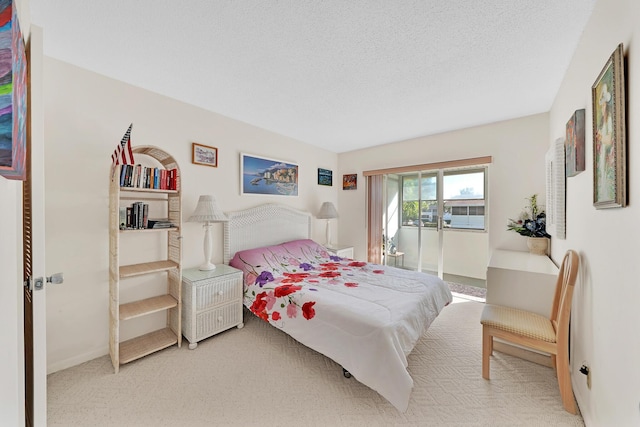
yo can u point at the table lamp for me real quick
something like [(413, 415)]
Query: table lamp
[(328, 212), (207, 212)]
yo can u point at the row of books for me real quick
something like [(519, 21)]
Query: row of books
[(136, 217), (138, 176)]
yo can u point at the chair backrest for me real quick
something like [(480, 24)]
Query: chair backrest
[(561, 310)]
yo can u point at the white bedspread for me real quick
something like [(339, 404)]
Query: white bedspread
[(365, 317)]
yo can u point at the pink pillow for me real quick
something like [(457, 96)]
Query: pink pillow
[(291, 256)]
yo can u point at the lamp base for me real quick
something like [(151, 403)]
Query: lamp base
[(207, 267)]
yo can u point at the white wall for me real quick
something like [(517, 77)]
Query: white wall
[(518, 170), (605, 315), (86, 115), (11, 333)]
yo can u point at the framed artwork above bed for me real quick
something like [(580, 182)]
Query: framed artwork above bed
[(266, 176)]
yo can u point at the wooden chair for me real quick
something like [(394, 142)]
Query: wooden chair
[(531, 330)]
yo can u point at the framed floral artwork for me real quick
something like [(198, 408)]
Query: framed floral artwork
[(262, 175), (350, 182), (609, 134), (204, 155)]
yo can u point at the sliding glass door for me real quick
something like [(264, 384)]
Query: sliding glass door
[(432, 219)]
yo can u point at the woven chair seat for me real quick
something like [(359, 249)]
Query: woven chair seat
[(519, 322)]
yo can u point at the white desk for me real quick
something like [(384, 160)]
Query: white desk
[(521, 280)]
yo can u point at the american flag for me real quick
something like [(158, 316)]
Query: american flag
[(123, 153)]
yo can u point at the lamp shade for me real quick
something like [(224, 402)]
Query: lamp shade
[(327, 211), (207, 210)]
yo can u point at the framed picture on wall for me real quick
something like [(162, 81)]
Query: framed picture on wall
[(350, 181), (609, 134), (325, 177), (204, 155), (574, 144), (13, 105), (262, 175)]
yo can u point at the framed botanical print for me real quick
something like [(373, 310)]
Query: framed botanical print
[(609, 134)]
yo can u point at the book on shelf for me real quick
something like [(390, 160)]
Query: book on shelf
[(160, 223), (123, 218), (138, 176), (134, 217)]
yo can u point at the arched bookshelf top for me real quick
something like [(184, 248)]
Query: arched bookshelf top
[(160, 155)]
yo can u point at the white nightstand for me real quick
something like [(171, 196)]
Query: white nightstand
[(211, 302), (341, 251)]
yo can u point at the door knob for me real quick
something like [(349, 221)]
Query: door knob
[(55, 278)]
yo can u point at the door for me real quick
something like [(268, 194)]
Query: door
[(418, 242), (435, 221), (35, 343)]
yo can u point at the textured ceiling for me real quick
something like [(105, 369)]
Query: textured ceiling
[(339, 74)]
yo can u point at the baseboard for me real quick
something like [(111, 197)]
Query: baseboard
[(76, 360), (522, 353)]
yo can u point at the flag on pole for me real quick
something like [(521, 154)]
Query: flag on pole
[(123, 153)]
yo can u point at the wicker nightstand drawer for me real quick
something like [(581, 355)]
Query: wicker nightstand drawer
[(213, 292), (217, 320), (211, 302)]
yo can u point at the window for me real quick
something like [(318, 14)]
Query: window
[(459, 210), (463, 193), (476, 210), (464, 196), (427, 214)]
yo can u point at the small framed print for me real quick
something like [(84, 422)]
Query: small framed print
[(325, 177), (350, 181), (574, 144), (204, 155)]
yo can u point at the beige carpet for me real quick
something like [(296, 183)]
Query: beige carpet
[(257, 376)]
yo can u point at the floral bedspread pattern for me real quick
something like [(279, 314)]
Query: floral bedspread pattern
[(365, 317)]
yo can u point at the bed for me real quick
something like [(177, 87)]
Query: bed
[(366, 317)]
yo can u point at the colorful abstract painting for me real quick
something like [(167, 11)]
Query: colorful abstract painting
[(13, 94)]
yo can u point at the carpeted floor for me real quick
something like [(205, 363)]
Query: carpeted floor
[(258, 376), (472, 291)]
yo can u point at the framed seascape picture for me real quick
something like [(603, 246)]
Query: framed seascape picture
[(204, 155), (325, 177), (262, 175), (350, 182), (13, 103), (609, 134), (574, 144)]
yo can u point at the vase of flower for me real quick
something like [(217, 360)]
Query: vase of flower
[(538, 245), (532, 224)]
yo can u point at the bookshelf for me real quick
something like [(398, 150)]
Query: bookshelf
[(162, 195)]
